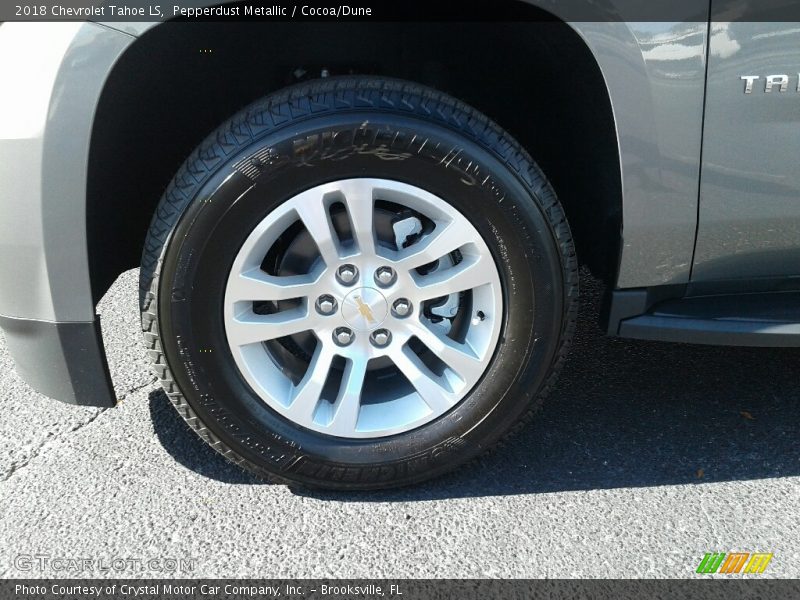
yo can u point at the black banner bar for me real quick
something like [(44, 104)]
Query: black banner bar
[(399, 589), (397, 10)]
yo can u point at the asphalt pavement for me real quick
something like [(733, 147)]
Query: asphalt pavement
[(646, 457)]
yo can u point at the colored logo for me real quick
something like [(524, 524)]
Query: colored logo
[(734, 562), (364, 309)]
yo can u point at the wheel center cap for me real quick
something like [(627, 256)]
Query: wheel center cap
[(364, 309)]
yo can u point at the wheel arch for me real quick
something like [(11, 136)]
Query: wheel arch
[(157, 105)]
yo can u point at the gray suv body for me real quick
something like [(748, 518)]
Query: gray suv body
[(672, 147)]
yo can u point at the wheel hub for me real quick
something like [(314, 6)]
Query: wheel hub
[(364, 309)]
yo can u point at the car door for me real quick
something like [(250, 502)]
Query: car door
[(749, 209)]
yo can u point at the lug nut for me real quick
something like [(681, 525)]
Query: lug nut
[(381, 337), (401, 308), (343, 336), (385, 276), (347, 274), (326, 304)]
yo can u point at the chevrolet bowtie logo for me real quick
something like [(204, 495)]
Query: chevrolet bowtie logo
[(364, 309)]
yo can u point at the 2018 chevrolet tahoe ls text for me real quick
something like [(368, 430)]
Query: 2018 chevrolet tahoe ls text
[(369, 274)]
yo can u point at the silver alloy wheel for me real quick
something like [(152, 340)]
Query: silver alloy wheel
[(365, 389)]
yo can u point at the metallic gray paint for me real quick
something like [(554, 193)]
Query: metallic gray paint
[(750, 191), (56, 72), (655, 76), (65, 361)]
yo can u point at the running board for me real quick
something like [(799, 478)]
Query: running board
[(758, 319)]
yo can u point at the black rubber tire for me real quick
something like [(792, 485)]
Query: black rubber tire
[(334, 129)]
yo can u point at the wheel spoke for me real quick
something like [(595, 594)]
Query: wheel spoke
[(307, 392), (458, 357), (256, 285), (348, 403), (472, 272), (317, 223), (427, 384), (252, 328), (360, 207), (443, 240)]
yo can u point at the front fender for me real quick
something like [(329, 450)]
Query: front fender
[(56, 72)]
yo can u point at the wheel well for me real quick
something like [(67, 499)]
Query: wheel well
[(176, 83)]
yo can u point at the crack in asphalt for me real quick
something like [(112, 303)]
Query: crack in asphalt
[(16, 468)]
